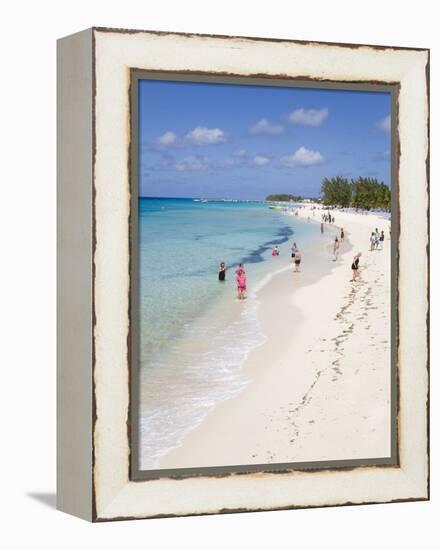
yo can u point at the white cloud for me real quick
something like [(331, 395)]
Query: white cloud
[(303, 157), (264, 127), (259, 160), (197, 136), (384, 124), (192, 164), (240, 153), (167, 139), (308, 117), (205, 136)]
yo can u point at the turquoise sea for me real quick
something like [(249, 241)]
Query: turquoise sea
[(194, 334)]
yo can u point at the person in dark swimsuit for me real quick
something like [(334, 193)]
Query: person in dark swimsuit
[(342, 234), (222, 272), (298, 258), (355, 265)]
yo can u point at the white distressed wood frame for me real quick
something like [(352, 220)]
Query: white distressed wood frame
[(94, 215)]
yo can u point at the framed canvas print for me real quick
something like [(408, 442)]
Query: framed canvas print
[(243, 282)]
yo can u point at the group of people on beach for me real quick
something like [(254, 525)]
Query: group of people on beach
[(376, 240), (240, 272), (328, 218), (376, 243), (295, 254)]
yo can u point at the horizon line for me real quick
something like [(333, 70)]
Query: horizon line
[(221, 198)]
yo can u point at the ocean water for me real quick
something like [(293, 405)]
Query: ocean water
[(194, 334)]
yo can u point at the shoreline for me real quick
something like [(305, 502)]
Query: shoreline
[(220, 322), (306, 361)]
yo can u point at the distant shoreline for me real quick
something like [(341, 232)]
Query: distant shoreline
[(207, 199), (304, 202)]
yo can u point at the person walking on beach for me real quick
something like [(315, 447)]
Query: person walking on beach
[(377, 237), (372, 241), (241, 282), (378, 245), (335, 249), (342, 234), (322, 227), (355, 266), (293, 251), (378, 241), (381, 239), (298, 258), (222, 272)]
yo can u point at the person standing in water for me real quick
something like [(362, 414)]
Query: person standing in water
[(322, 227), (241, 282), (298, 258), (222, 272), (355, 266), (335, 249)]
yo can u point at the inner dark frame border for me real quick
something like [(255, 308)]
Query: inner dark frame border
[(135, 474)]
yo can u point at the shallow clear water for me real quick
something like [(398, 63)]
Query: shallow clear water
[(194, 334)]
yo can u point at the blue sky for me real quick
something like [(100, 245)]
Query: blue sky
[(235, 141)]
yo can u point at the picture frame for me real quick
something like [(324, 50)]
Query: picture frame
[(97, 227)]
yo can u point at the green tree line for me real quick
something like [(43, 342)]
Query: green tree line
[(360, 193), (284, 197)]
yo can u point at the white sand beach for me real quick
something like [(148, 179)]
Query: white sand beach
[(320, 383)]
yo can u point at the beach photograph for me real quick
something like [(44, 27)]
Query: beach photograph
[(264, 266)]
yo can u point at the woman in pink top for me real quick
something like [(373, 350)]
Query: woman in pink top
[(241, 282)]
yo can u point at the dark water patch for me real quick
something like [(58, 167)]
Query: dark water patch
[(257, 255), (254, 257)]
